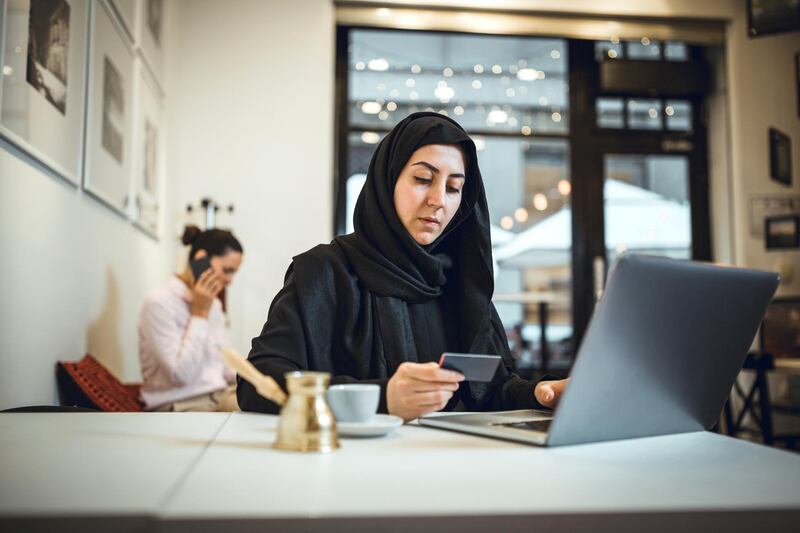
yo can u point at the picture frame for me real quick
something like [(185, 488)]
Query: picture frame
[(764, 206), (797, 80), (765, 17), (150, 37), (781, 232), (128, 12), (148, 154), (43, 87), (780, 157), (109, 130)]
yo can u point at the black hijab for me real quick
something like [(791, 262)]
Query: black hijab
[(386, 257), (346, 307)]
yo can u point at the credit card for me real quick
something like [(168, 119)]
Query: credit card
[(475, 367)]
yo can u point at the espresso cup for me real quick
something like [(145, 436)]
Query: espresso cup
[(354, 402)]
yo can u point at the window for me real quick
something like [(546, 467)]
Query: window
[(643, 114), (511, 95)]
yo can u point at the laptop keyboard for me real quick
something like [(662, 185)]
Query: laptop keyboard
[(535, 425)]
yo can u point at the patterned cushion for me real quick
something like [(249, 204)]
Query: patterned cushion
[(87, 383)]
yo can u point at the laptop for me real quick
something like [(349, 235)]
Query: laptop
[(662, 350)]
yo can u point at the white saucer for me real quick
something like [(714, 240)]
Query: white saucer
[(377, 427)]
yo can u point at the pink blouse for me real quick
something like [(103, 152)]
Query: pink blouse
[(180, 353)]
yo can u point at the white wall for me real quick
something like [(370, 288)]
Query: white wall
[(254, 107), (74, 275), (762, 93)]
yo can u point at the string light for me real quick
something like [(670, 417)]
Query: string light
[(371, 108), (378, 65), (540, 201), (370, 137)]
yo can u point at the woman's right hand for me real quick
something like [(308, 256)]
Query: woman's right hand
[(203, 293), (418, 389)]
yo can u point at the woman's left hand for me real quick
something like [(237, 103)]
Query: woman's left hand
[(547, 393)]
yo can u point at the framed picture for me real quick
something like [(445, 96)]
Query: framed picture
[(772, 16), (109, 131), (780, 330), (151, 36), (782, 232), (43, 87), (780, 157), (128, 11), (797, 80), (763, 207), (148, 153)]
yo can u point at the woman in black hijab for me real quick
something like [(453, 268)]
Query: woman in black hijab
[(414, 280)]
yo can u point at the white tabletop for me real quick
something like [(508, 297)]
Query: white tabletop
[(97, 463), (424, 471), (211, 472)]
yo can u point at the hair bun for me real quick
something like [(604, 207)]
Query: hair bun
[(190, 234)]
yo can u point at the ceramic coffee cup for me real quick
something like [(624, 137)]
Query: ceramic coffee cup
[(354, 402)]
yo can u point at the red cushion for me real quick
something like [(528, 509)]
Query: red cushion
[(100, 386)]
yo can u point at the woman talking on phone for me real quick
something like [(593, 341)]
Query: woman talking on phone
[(182, 330), (413, 281)]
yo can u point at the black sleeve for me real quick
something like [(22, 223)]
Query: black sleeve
[(281, 348), (507, 391)]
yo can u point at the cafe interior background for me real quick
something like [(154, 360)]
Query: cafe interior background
[(662, 127)]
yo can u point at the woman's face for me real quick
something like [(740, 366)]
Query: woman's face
[(226, 265), (428, 191)]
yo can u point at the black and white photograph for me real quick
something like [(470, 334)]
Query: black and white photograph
[(151, 38), (113, 110), (48, 50), (108, 173), (148, 153), (780, 157), (782, 232), (150, 157), (767, 206), (155, 8), (42, 108)]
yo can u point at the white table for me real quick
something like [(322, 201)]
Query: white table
[(83, 468), (418, 478)]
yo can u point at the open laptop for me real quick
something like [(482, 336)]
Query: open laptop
[(660, 355)]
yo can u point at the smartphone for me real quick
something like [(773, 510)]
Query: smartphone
[(475, 367), (199, 266)]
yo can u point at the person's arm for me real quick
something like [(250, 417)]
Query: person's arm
[(281, 348), (508, 391), (182, 352)]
